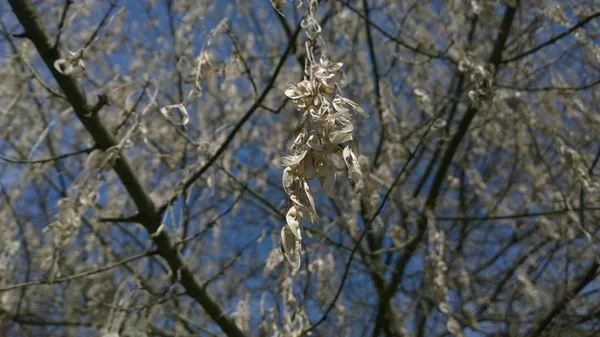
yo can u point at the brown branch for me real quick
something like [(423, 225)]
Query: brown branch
[(508, 274), (451, 109), (375, 71), (372, 242), (101, 24), (235, 41), (102, 102), (38, 321), (61, 24), (46, 160)]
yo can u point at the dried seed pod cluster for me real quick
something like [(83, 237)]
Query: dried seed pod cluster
[(317, 151)]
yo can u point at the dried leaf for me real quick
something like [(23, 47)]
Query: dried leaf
[(287, 180), (299, 91), (293, 218), (71, 65), (63, 66), (344, 105), (312, 214), (290, 247), (352, 164), (278, 6), (341, 136), (167, 112), (293, 160), (294, 198)]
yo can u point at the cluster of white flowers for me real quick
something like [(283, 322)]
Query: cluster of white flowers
[(317, 151)]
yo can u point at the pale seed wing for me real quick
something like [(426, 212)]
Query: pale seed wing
[(313, 217), (292, 93), (293, 160), (183, 118), (295, 200), (63, 66), (339, 137), (287, 180), (290, 247), (293, 218), (342, 135), (352, 163)]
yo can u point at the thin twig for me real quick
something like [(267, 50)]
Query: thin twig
[(192, 179), (61, 24), (514, 216), (553, 39), (46, 160), (364, 232), (80, 275)]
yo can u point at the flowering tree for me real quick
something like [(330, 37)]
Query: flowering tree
[(324, 168)]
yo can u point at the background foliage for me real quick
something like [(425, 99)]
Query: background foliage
[(476, 213)]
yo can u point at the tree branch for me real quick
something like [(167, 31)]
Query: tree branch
[(79, 275), (431, 201), (368, 225), (588, 277), (554, 39), (46, 160), (61, 24), (186, 183), (515, 216), (416, 49)]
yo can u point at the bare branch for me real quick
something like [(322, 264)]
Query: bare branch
[(552, 40), (46, 160)]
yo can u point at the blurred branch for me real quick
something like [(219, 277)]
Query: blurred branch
[(589, 276), (376, 81), (189, 181), (100, 25), (516, 216), (38, 321), (364, 232), (26, 63), (583, 86), (46, 160), (553, 40), (416, 49), (440, 175), (79, 275), (61, 24)]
